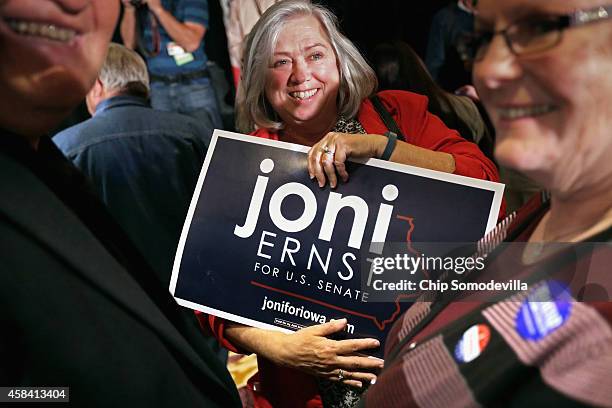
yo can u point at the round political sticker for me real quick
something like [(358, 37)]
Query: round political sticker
[(547, 307), (472, 343)]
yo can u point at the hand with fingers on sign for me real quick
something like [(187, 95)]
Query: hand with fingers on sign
[(327, 158), (310, 351)]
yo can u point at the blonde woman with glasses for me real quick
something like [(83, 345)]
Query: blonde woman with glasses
[(542, 69)]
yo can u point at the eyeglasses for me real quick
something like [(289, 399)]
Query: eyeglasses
[(531, 35)]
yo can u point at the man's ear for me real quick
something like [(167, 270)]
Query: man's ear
[(98, 88), (94, 96)]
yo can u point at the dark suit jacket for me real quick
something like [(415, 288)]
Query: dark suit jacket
[(72, 315)]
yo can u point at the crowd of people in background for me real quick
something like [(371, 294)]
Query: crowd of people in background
[(90, 219)]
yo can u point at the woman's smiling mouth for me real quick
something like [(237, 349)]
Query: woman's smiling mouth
[(42, 30), (300, 95), (518, 112)]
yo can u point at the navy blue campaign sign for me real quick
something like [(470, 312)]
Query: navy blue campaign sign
[(263, 245)]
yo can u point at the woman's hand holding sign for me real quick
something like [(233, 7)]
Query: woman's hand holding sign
[(310, 351), (327, 157)]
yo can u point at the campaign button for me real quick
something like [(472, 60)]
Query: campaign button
[(472, 343), (547, 307)]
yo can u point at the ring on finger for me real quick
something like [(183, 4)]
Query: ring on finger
[(327, 150), (341, 375)]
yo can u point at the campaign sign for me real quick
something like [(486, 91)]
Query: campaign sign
[(265, 246)]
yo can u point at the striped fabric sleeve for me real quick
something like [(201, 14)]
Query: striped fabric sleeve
[(195, 11)]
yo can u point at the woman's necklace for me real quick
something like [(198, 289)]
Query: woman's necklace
[(538, 246)]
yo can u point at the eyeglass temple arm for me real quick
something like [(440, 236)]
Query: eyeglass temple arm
[(587, 16)]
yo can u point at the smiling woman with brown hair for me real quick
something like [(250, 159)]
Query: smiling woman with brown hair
[(80, 307)]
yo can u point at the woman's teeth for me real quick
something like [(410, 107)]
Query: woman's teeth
[(48, 31), (516, 113), (303, 94)]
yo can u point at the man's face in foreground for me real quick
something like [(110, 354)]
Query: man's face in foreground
[(51, 53)]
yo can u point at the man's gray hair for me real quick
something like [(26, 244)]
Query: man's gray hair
[(357, 79), (125, 71)]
